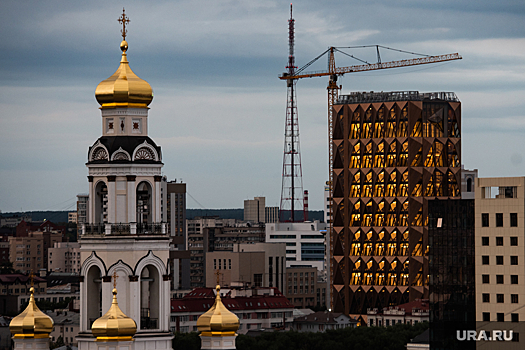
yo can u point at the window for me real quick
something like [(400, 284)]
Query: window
[(499, 241), (499, 260), (500, 316), (486, 316), (513, 279), (499, 219), (514, 298), (514, 317), (513, 220), (499, 279), (485, 259), (500, 298), (486, 279), (514, 260), (484, 241), (486, 298), (514, 241), (485, 220)]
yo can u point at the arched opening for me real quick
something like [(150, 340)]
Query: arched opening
[(101, 203), (469, 184), (144, 195), (93, 294), (149, 297)]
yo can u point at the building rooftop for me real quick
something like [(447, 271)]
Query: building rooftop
[(392, 96)]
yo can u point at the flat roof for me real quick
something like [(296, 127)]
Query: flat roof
[(369, 97)]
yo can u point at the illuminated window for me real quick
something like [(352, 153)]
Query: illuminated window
[(453, 160), (367, 156), (403, 215), (367, 188), (380, 214), (391, 157), (416, 131), (403, 154), (367, 215), (355, 159), (355, 190), (380, 185), (402, 130), (391, 216), (356, 214), (366, 131), (391, 186), (380, 249), (417, 161), (355, 126), (391, 124), (403, 185), (379, 160), (379, 124)]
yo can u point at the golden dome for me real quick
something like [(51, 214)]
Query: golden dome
[(124, 88), (114, 325), (31, 323), (218, 320)]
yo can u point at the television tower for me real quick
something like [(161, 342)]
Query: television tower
[(292, 195)]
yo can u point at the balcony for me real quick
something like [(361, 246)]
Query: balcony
[(122, 229)]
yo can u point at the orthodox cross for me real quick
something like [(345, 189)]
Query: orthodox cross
[(115, 276), (218, 276), (123, 19), (32, 276)]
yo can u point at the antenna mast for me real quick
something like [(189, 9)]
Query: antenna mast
[(292, 178)]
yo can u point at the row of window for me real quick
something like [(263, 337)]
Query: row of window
[(499, 279), (500, 317), (485, 222), (221, 267), (500, 298), (485, 241), (485, 260)]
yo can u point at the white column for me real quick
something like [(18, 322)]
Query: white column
[(132, 198), (91, 202), (134, 295), (157, 199), (112, 199)]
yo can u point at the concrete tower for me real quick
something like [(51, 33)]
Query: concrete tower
[(124, 235)]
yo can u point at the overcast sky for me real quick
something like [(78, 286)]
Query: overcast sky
[(219, 107)]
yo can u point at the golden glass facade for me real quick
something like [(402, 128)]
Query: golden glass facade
[(392, 153)]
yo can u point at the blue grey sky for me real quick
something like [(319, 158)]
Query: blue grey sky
[(219, 107)]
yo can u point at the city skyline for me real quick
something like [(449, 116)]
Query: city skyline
[(219, 108)]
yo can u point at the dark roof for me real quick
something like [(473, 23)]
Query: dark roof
[(18, 277), (129, 144), (201, 300), (322, 317), (423, 338)]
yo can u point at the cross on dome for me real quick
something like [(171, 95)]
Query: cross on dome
[(123, 19)]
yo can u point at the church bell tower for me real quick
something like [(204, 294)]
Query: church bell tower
[(124, 235)]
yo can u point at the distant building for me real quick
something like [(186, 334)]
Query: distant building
[(14, 220), (256, 308), (323, 321), (82, 211), (14, 285), (72, 217), (500, 254), (303, 287), (251, 265), (254, 209), (173, 203), (271, 214), (67, 326), (468, 183), (64, 257), (414, 312), (305, 242)]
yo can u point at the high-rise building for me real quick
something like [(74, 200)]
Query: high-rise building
[(500, 256), (82, 211), (125, 244), (254, 209), (452, 272), (393, 151)]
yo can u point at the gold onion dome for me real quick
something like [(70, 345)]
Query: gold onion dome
[(218, 320), (114, 325), (31, 323), (124, 88)]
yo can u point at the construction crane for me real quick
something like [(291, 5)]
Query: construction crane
[(334, 72)]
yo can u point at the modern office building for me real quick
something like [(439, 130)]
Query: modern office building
[(452, 272), (305, 242), (393, 151), (500, 255)]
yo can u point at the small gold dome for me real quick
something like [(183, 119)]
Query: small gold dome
[(124, 88), (31, 323), (114, 325), (218, 320)]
